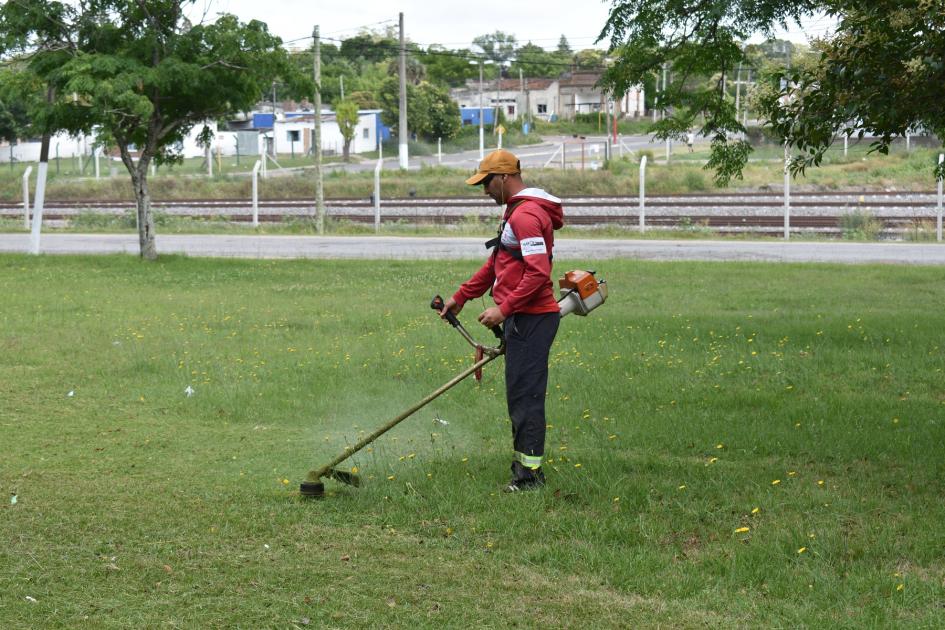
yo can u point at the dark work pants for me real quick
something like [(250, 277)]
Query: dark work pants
[(528, 341)]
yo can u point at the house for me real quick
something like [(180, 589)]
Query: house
[(514, 96), (578, 94), (544, 99), (294, 133)]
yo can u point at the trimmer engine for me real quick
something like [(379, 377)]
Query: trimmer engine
[(581, 293)]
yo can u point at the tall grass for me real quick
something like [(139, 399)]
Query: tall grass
[(730, 445)]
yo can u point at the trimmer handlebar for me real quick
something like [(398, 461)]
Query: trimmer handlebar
[(438, 304)]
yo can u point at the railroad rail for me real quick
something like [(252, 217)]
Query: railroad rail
[(824, 212)]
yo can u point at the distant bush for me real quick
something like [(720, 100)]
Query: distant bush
[(860, 226)]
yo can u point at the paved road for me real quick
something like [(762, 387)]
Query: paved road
[(532, 156), (387, 247)]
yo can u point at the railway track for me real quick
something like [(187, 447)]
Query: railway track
[(744, 212)]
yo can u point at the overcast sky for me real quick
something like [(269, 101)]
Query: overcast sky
[(447, 22)]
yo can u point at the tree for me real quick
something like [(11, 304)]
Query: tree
[(448, 67), (564, 48), (141, 76), (534, 61), (14, 103), (881, 72), (346, 114), (431, 113), (498, 46)]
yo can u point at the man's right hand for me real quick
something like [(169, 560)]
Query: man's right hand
[(449, 305)]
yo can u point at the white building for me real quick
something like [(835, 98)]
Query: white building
[(563, 97), (63, 145), (295, 133)]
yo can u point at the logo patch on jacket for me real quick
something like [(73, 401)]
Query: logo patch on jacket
[(534, 245)]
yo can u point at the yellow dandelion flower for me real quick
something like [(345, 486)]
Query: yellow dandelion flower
[(712, 460), (719, 445), (820, 482), (756, 510), (792, 473), (742, 530), (611, 437), (577, 465), (775, 482), (802, 550), (900, 587), (682, 487), (285, 482), (465, 459), (390, 478), (354, 470), (616, 499)]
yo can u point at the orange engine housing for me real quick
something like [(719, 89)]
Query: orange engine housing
[(583, 282)]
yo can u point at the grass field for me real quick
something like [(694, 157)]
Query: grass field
[(731, 445)]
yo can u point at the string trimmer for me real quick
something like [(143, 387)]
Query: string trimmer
[(581, 293)]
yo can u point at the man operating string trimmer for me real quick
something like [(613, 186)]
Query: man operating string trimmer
[(518, 272)]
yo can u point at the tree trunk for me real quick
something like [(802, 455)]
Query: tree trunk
[(139, 179), (346, 150)]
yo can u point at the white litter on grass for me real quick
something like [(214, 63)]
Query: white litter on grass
[(30, 599), (440, 420), (13, 498), (189, 391), (71, 393)]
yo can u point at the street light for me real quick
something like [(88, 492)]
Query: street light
[(482, 141)]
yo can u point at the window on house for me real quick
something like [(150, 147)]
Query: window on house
[(511, 110), (542, 108), (365, 133), (292, 135)]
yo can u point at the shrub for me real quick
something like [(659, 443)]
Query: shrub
[(860, 225)]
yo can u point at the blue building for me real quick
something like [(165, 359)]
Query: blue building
[(470, 115)]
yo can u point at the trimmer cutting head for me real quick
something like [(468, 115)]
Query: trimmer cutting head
[(314, 488)]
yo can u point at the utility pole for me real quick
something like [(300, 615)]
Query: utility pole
[(402, 124), (738, 91), (481, 132), (319, 188)]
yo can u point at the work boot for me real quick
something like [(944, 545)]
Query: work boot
[(524, 478)]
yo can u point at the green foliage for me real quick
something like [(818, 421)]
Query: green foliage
[(860, 225), (448, 67), (346, 114), (534, 61), (431, 113), (497, 46), (141, 75), (880, 72), (883, 75)]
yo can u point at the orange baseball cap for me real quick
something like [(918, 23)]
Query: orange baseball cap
[(500, 162)]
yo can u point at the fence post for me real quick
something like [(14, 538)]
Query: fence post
[(846, 142), (26, 197), (97, 151), (377, 196), (938, 222), (642, 194), (38, 202), (439, 150), (256, 167), (563, 162), (787, 195)]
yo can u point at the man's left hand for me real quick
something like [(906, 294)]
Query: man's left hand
[(492, 316)]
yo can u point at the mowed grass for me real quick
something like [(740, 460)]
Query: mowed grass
[(731, 445)]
